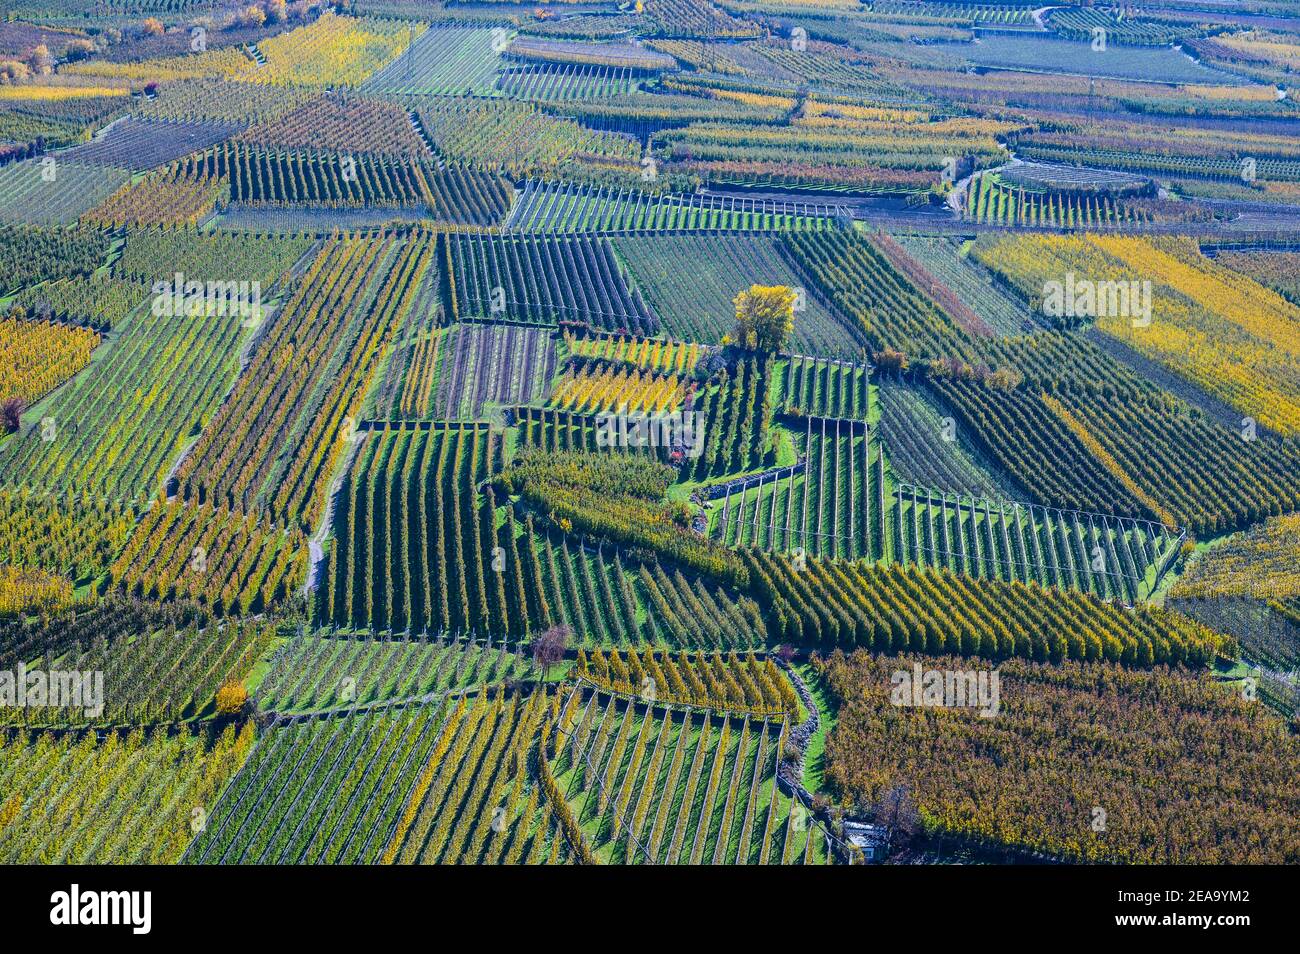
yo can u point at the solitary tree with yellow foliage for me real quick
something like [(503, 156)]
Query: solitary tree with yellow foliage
[(764, 317), (232, 697)]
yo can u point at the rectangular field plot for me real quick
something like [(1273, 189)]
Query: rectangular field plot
[(927, 449), (558, 207), (829, 504), (124, 798), (545, 281), (278, 178), (816, 387), (696, 615), (554, 430), (599, 386), (315, 673), (673, 357), (993, 202), (99, 302), (690, 281), (971, 282), (457, 373), (60, 194), (606, 603), (141, 145), (444, 61), (413, 541), (1046, 54), (39, 356), (1112, 557), (560, 82), (319, 790), (654, 785)]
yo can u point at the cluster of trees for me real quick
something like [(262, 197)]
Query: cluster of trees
[(764, 317), (39, 356), (38, 59), (620, 498), (71, 533), (26, 591), (250, 16), (1132, 770)]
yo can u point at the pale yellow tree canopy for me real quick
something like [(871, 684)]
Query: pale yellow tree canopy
[(764, 317)]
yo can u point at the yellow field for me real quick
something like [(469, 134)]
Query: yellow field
[(866, 113), (32, 592), (54, 94), (332, 51), (211, 63), (619, 389), (1222, 331), (39, 356), (672, 356), (1270, 46), (167, 198), (1245, 94)]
